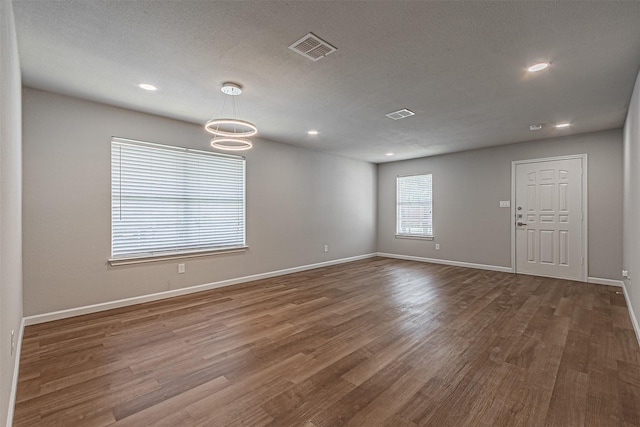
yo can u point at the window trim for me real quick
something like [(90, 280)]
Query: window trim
[(183, 254), (414, 236), (164, 256)]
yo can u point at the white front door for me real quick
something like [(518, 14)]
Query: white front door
[(549, 218)]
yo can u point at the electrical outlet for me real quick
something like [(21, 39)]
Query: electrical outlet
[(181, 268), (625, 274), (13, 342), (326, 248), (437, 246)]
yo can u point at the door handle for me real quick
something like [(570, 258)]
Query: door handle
[(520, 224)]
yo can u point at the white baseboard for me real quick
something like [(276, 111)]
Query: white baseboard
[(609, 282), (632, 313), (77, 311), (448, 262), (16, 371)]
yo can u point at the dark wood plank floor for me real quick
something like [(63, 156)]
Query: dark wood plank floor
[(378, 342)]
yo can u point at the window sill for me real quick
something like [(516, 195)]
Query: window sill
[(406, 236), (115, 262)]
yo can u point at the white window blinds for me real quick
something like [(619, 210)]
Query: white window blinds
[(174, 200), (414, 206)]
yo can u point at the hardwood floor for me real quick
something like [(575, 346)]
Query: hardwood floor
[(377, 342)]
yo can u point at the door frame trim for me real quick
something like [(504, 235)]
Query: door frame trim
[(585, 219)]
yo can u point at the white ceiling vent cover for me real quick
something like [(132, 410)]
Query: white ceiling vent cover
[(400, 114), (312, 47)]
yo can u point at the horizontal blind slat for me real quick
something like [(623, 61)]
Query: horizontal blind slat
[(169, 199), (414, 205)]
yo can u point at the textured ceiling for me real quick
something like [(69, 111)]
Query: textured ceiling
[(460, 66)]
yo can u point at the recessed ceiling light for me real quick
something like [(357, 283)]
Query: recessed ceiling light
[(313, 132), (538, 67), (563, 125), (535, 127), (389, 154), (147, 86)]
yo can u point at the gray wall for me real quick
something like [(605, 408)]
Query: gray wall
[(631, 259), (467, 186), (10, 201), (297, 201)]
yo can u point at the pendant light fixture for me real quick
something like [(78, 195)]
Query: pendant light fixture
[(231, 134)]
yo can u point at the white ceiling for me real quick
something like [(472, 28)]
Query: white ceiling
[(460, 66)]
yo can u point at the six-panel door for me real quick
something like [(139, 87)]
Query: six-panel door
[(549, 240)]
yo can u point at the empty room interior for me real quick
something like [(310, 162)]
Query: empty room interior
[(319, 213)]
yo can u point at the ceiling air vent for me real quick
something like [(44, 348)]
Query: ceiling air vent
[(312, 47), (400, 114)]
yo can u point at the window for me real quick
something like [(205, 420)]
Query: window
[(170, 201), (414, 206)]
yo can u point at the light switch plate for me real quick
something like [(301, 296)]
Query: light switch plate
[(505, 203)]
